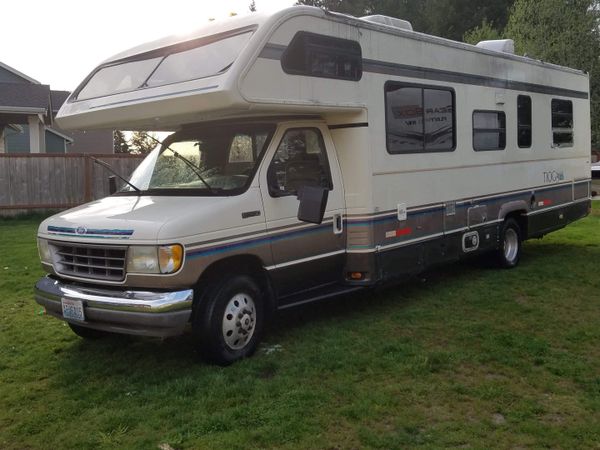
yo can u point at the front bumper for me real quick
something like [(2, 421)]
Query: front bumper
[(137, 312)]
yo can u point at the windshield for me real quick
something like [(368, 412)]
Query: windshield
[(219, 161)]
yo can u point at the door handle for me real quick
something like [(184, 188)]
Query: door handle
[(338, 224)]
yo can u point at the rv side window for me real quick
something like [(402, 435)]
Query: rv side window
[(562, 123), (524, 121), (300, 160), (419, 119), (489, 130), (322, 56)]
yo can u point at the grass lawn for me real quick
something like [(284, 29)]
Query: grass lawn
[(466, 357)]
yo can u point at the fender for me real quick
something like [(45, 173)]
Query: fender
[(510, 207)]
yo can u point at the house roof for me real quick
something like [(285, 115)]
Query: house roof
[(17, 73), (17, 97), (57, 98), (59, 134)]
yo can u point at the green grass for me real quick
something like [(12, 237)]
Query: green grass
[(466, 356)]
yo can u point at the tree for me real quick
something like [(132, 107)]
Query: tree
[(120, 144), (483, 32), (252, 6), (562, 32), (140, 143), (446, 18)]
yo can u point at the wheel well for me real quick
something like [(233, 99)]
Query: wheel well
[(521, 219), (239, 264)]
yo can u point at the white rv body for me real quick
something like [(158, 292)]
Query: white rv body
[(412, 182)]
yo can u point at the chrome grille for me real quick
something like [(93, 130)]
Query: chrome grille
[(98, 262)]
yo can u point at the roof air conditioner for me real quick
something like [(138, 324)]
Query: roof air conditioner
[(389, 21)]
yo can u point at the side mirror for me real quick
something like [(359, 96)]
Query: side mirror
[(313, 200), (112, 184)]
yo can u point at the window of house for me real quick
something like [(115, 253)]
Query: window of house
[(323, 56), (489, 130), (562, 123), (300, 160), (419, 119), (524, 121)]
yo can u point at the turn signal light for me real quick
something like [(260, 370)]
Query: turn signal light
[(170, 258)]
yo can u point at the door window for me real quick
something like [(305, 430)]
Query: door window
[(300, 160)]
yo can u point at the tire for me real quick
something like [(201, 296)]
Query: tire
[(87, 333), (509, 252), (228, 323)]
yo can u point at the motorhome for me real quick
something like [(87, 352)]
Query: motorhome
[(311, 154)]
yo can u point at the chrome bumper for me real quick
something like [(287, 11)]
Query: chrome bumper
[(120, 311)]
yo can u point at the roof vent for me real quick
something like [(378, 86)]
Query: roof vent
[(389, 21), (499, 45)]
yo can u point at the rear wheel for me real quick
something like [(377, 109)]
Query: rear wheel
[(509, 253), (87, 333), (228, 324)]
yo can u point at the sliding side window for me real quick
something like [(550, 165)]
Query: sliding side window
[(562, 123), (419, 119), (489, 130), (317, 55), (524, 121)]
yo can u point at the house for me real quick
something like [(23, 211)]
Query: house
[(27, 111)]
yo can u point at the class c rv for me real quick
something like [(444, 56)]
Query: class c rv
[(311, 154)]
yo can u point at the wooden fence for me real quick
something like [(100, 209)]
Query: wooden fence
[(30, 182)]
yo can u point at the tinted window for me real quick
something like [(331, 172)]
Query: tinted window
[(524, 121), (323, 56), (166, 66), (562, 123), (489, 130), (439, 133), (419, 119), (300, 160), (118, 78), (199, 62)]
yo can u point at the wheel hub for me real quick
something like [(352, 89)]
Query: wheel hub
[(511, 245), (238, 321)]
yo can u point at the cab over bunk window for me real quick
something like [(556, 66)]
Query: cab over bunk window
[(524, 121), (192, 60), (419, 119), (322, 56), (562, 123), (489, 130)]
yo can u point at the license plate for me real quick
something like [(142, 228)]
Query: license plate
[(72, 309)]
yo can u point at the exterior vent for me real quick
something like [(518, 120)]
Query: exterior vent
[(389, 21), (500, 45)]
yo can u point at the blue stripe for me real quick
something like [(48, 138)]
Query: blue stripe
[(85, 236), (257, 241), (110, 232)]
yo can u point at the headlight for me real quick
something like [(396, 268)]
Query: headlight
[(151, 259), (44, 251)]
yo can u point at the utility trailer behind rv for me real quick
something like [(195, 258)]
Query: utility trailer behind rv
[(311, 154)]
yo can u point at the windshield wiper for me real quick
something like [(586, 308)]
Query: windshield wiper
[(114, 172), (190, 164)]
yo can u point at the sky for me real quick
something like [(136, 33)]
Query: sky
[(59, 42)]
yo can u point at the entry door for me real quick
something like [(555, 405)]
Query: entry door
[(305, 256)]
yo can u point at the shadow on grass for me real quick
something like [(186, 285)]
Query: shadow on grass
[(120, 355)]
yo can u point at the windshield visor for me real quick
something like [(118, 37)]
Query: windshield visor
[(169, 67), (220, 161)]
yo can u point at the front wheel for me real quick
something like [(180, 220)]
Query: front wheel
[(228, 323), (509, 253)]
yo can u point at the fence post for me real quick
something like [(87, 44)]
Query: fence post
[(87, 179)]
